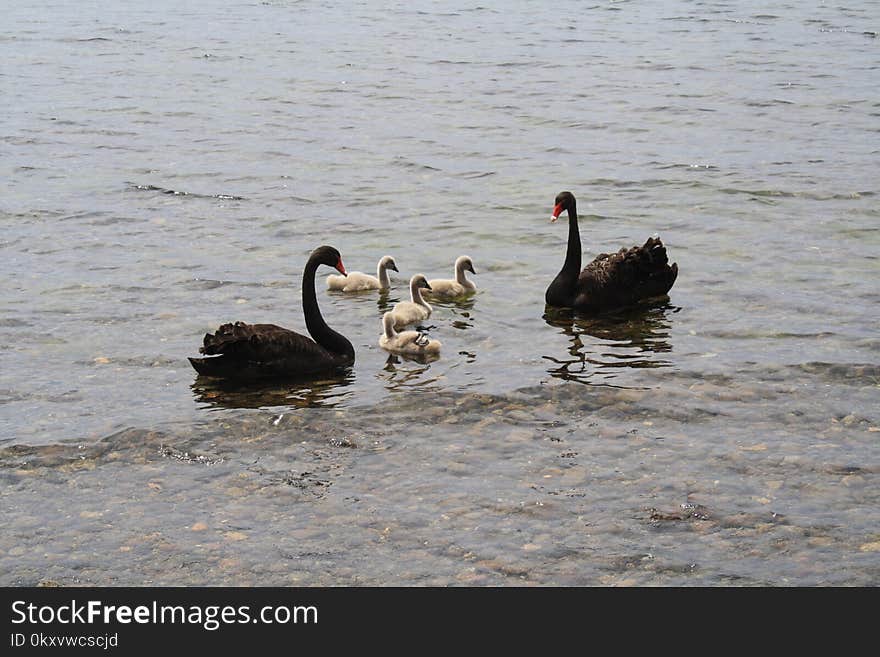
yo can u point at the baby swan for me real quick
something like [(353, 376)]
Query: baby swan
[(444, 288), (357, 281), (417, 310), (408, 343)]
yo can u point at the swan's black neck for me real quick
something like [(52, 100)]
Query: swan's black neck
[(572, 264), (562, 290), (318, 329)]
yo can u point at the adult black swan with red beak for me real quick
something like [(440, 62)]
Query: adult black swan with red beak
[(253, 351), (611, 280)]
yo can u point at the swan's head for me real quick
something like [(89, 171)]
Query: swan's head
[(464, 263), (327, 255), (387, 262), (564, 201), (419, 282)]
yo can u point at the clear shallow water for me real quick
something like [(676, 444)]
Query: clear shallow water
[(170, 169)]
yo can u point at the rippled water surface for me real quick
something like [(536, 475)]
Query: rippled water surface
[(168, 168)]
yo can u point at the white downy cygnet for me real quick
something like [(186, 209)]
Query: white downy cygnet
[(445, 288), (357, 281), (409, 343), (417, 310)]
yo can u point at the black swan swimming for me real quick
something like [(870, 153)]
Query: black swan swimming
[(252, 351), (611, 280)]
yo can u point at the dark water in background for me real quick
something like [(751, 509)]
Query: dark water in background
[(167, 169)]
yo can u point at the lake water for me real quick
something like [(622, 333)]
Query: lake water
[(167, 169)]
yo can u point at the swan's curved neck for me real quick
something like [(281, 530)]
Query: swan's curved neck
[(563, 289), (459, 273), (388, 324), (573, 255), (382, 274), (415, 293), (317, 327)]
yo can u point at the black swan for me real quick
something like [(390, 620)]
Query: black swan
[(611, 280), (251, 351)]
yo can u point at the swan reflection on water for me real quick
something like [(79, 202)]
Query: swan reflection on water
[(461, 303), (326, 391), (386, 301), (461, 311), (600, 345), (395, 360), (403, 372)]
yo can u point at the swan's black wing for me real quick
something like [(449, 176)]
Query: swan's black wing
[(626, 277), (242, 350), (260, 342)]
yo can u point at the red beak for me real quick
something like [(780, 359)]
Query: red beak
[(556, 212), (340, 268)]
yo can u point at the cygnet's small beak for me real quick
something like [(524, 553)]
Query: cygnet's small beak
[(393, 267), (427, 286)]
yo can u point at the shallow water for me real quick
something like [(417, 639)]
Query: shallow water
[(170, 169)]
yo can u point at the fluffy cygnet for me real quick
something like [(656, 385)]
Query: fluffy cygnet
[(357, 281), (410, 343), (445, 288), (417, 310)]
